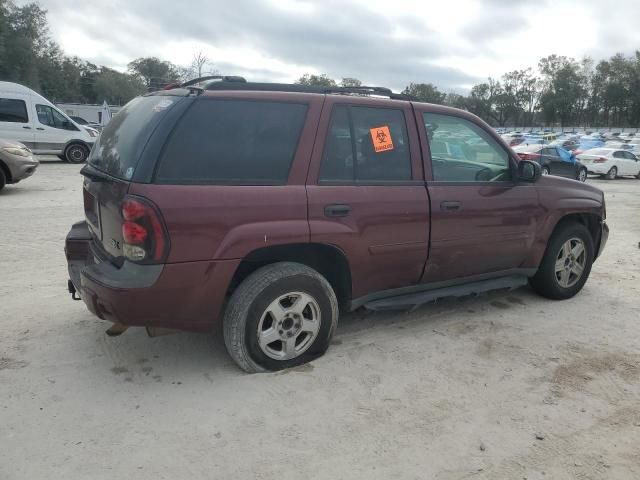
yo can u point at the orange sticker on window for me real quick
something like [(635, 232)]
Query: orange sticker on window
[(381, 138)]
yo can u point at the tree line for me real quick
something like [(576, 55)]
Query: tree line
[(563, 91)]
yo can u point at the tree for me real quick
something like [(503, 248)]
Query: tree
[(563, 88), (316, 80), (116, 88), (153, 72), (425, 92)]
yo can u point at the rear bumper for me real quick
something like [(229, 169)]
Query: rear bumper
[(598, 168), (185, 296)]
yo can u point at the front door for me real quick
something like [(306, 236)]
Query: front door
[(366, 192), (482, 220), (53, 130), (15, 123)]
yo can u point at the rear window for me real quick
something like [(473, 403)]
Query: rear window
[(12, 110), (241, 142), (122, 141)]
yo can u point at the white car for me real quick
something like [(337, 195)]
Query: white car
[(610, 162), (32, 120)]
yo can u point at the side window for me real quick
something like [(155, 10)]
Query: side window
[(463, 152), (366, 144), (53, 118), (239, 142), (14, 111), (629, 156), (618, 154)]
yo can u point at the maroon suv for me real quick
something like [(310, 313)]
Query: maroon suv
[(271, 208)]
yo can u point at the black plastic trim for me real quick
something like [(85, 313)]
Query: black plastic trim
[(466, 282)]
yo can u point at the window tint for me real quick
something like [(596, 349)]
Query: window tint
[(12, 110), (618, 154), (463, 152), (629, 155), (233, 142), (121, 142), (53, 118), (375, 137)]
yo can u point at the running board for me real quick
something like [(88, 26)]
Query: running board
[(413, 300)]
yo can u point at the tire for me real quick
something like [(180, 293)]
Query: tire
[(546, 171), (249, 322), (638, 175), (582, 175), (3, 179), (612, 173), (548, 280), (76, 153)]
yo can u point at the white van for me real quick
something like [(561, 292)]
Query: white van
[(31, 119)]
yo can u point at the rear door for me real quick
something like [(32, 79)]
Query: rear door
[(15, 122), (630, 163), (482, 220), (366, 191)]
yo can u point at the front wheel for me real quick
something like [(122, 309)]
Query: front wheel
[(546, 171), (612, 174), (281, 316), (582, 175), (76, 153), (566, 264)]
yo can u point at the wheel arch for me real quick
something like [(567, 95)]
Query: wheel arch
[(328, 260)]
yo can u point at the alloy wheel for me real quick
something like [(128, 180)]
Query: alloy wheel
[(289, 326), (570, 262)]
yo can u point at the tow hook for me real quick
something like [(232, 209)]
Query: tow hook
[(72, 290), (116, 329)]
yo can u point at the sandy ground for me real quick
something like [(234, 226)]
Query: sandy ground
[(505, 386)]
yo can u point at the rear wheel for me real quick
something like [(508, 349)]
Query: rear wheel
[(281, 316), (582, 175), (566, 264), (546, 171), (612, 173), (76, 153)]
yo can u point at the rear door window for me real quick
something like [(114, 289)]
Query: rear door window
[(233, 142), (375, 137), (122, 141), (13, 110)]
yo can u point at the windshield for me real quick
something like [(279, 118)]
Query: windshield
[(120, 145)]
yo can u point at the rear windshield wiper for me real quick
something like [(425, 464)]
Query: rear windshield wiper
[(94, 174)]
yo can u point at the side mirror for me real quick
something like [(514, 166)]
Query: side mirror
[(529, 171)]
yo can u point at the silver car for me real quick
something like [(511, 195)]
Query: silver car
[(16, 162)]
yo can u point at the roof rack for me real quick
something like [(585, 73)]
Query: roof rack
[(190, 84), (289, 87)]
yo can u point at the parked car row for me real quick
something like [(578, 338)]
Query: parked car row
[(574, 156)]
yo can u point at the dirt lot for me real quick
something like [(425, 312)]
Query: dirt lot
[(504, 386)]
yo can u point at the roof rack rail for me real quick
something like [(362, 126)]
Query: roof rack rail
[(190, 84), (293, 87)]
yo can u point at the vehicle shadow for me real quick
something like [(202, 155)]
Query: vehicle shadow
[(192, 357)]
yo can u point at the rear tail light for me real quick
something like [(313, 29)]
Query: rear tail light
[(145, 238), (529, 156), (600, 160)]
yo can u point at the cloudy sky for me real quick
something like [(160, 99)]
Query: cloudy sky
[(451, 43)]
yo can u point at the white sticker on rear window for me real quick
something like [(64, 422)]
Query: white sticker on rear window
[(162, 105)]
